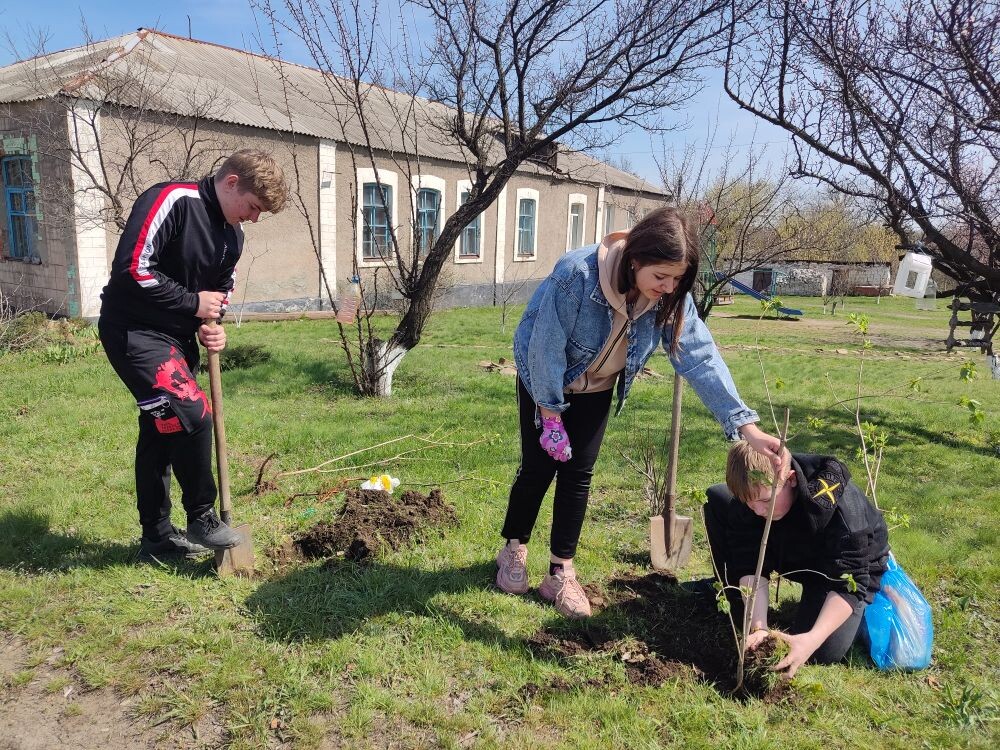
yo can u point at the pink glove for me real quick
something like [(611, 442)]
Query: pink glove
[(554, 439)]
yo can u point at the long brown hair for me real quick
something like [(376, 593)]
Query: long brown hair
[(664, 235)]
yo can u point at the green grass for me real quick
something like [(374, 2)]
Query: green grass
[(418, 648)]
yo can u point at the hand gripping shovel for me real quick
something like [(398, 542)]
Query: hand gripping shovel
[(670, 534), (237, 560)]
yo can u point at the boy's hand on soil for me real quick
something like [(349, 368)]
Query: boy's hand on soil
[(800, 648), (554, 439), (210, 305), (756, 638), (212, 337)]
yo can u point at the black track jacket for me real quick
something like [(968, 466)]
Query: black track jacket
[(176, 243)]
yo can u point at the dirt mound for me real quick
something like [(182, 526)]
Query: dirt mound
[(658, 631), (372, 520)]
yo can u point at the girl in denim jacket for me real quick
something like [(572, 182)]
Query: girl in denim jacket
[(587, 332)]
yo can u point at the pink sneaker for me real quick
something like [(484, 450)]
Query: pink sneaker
[(563, 590), (512, 573)]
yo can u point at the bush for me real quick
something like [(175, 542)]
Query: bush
[(20, 331), (240, 357), (55, 340)]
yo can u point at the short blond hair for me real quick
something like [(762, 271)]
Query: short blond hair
[(747, 470), (260, 174)]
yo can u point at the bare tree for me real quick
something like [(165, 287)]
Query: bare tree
[(500, 84), (896, 104), (752, 215)]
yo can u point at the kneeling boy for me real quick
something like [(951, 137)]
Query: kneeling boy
[(823, 530)]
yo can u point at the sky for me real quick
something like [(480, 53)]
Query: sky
[(710, 122)]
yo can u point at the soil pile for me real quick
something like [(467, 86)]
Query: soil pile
[(373, 520)]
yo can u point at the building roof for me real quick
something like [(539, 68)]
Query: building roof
[(238, 87)]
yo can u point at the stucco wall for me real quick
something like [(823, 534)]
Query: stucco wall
[(279, 269)]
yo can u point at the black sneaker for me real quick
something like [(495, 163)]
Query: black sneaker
[(173, 545), (209, 531)]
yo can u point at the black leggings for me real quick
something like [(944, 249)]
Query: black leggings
[(836, 646), (585, 422), (175, 422)]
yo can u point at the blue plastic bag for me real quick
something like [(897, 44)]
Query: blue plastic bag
[(897, 624)]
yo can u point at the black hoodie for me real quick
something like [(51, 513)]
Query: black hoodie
[(176, 243), (825, 533)]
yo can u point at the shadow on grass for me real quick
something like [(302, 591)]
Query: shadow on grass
[(29, 545), (842, 441), (780, 319), (326, 602)]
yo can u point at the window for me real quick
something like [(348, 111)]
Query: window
[(377, 217), (526, 238), (609, 218), (428, 212), (19, 196), (576, 218), (468, 243), (576, 225), (526, 227)]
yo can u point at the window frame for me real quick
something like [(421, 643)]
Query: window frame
[(418, 183), (464, 187), (388, 180), (609, 218), (526, 194), (576, 199), (427, 220), (28, 233)]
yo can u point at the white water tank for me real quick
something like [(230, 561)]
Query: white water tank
[(913, 274)]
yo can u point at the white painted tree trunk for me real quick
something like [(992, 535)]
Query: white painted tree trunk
[(993, 363), (380, 364)]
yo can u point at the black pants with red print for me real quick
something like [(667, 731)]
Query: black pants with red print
[(175, 422)]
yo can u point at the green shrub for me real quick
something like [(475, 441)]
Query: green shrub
[(240, 357)]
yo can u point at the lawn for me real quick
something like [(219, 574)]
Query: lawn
[(418, 648)]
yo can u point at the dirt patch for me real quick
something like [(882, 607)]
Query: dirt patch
[(43, 705), (373, 520), (658, 631)]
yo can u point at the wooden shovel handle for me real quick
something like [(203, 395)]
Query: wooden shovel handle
[(675, 440), (221, 455)]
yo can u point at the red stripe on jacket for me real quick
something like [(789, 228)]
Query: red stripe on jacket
[(148, 223)]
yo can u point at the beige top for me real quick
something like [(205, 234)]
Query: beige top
[(610, 361)]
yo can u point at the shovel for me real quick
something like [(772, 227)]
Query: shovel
[(670, 534), (237, 560)]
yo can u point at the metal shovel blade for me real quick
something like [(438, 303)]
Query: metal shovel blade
[(679, 533), (670, 541), (237, 560)]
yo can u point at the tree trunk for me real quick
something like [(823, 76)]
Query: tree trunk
[(993, 363), (380, 363)]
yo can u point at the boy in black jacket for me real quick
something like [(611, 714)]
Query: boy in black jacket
[(824, 534), (172, 274)]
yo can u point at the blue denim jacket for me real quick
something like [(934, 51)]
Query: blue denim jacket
[(568, 321)]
